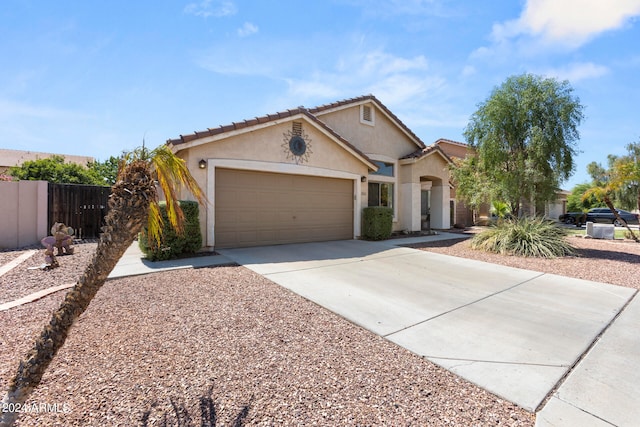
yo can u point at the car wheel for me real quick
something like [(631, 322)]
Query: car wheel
[(570, 220), (618, 223)]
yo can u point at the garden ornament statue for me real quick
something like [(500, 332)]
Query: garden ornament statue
[(61, 239)]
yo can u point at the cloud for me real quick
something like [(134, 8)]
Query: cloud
[(409, 85), (249, 57), (247, 29), (405, 84), (11, 110), (571, 23), (207, 8), (578, 71)]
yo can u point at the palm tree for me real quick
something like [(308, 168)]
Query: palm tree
[(501, 209), (602, 193), (132, 204)]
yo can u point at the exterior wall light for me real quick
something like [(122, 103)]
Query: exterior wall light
[(363, 178), (202, 164)]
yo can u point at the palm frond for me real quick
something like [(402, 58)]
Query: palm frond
[(172, 175), (154, 223)]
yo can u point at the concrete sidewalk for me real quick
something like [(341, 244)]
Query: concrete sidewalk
[(516, 333), (603, 388), (133, 263)]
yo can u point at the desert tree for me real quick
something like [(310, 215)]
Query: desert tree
[(525, 137)]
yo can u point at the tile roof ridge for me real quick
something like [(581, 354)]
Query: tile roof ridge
[(450, 141), (311, 112)]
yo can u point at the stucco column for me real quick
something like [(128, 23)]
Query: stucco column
[(440, 209), (410, 211)]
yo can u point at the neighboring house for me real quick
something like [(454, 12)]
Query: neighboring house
[(306, 174), (557, 207), (9, 158)]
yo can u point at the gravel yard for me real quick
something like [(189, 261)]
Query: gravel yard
[(27, 278), (609, 261), (168, 346)]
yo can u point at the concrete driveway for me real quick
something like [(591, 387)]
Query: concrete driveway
[(516, 333)]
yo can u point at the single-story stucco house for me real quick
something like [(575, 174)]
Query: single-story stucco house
[(305, 175)]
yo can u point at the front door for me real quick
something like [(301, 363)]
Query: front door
[(425, 209)]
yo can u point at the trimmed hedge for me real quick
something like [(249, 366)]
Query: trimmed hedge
[(377, 222), (172, 245)]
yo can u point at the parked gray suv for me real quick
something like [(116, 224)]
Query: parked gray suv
[(605, 215)]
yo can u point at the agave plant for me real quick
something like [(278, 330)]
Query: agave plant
[(132, 204)]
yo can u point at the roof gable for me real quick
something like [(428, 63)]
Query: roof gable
[(228, 131), (348, 103)]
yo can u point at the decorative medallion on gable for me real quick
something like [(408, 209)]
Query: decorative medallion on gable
[(297, 144)]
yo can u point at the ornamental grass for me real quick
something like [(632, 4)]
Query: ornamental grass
[(526, 237)]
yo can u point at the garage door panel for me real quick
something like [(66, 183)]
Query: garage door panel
[(257, 208)]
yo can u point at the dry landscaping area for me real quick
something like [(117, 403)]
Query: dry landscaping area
[(211, 346)]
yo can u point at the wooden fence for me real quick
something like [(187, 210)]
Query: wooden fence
[(82, 207)]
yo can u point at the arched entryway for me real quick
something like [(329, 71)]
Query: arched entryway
[(434, 203)]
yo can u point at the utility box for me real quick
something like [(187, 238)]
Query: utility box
[(601, 231)]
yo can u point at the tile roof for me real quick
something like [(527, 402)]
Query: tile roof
[(451, 141), (310, 113), (265, 119), (237, 125), (422, 152)]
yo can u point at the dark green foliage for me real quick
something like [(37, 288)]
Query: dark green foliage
[(527, 237), (525, 136), (172, 244), (54, 169), (575, 203), (377, 223), (106, 171)]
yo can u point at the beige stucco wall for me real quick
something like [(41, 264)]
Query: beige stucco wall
[(433, 169), (384, 141), (384, 137), (433, 165), (269, 145), (23, 212), (267, 149)]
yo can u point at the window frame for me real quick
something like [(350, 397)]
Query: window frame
[(374, 178), (380, 185), (385, 164)]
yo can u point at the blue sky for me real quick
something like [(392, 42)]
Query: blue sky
[(95, 78)]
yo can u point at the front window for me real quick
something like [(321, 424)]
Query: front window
[(381, 194), (384, 168)]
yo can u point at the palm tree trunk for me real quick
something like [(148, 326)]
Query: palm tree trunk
[(128, 210), (609, 204)]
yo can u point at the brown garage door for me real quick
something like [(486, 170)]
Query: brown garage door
[(260, 208)]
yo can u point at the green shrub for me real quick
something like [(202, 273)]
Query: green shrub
[(528, 237), (172, 245), (377, 223)]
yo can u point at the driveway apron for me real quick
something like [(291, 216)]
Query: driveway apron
[(513, 332)]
